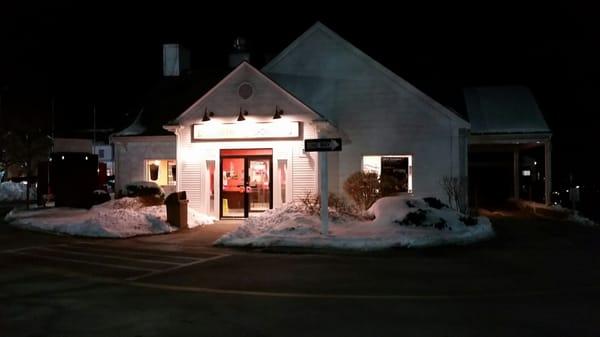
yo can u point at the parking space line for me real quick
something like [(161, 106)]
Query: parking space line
[(10, 251), (98, 247), (109, 265), (116, 257), (158, 272)]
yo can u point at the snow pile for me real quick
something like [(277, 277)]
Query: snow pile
[(580, 219), (399, 222), (121, 218), (11, 191)]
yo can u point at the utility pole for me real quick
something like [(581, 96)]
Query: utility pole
[(94, 131)]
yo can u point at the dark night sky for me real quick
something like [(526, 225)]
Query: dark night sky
[(111, 55)]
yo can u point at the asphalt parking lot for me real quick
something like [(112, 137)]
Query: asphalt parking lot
[(537, 278)]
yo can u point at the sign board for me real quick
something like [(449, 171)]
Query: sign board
[(323, 144), (246, 130)]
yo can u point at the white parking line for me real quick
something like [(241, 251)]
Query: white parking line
[(109, 265), (10, 251), (158, 272), (97, 247), (112, 256)]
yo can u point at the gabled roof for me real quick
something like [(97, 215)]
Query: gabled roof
[(503, 109), (245, 66), (396, 80)]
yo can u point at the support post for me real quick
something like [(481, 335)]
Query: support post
[(516, 172), (548, 172), (324, 180)]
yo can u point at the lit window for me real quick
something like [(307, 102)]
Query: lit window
[(161, 171), (396, 169)]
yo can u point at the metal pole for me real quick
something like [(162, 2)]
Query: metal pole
[(94, 132), (324, 192)]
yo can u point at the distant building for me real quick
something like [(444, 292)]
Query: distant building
[(509, 145)]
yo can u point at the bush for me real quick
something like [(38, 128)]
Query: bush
[(416, 218), (468, 220), (364, 188), (99, 197), (338, 206), (144, 189), (456, 189), (434, 203)]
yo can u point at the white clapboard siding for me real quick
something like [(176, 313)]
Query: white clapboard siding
[(304, 176), (191, 182)]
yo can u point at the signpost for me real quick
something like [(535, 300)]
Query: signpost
[(323, 145)]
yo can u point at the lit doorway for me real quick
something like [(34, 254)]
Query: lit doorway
[(246, 182)]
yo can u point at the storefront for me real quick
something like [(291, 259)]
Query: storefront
[(245, 154)]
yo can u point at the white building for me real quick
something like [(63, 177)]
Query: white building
[(233, 157)]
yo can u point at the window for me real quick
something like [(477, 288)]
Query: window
[(161, 171), (396, 169), (101, 153), (282, 168)]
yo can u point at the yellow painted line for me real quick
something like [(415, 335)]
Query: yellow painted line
[(387, 297)]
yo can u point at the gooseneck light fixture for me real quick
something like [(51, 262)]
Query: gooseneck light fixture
[(241, 115), (278, 113), (207, 115)]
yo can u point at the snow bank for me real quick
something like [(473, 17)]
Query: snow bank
[(11, 191), (290, 226), (121, 218)]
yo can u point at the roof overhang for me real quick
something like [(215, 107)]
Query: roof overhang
[(510, 138)]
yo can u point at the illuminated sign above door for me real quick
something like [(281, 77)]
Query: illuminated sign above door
[(231, 131)]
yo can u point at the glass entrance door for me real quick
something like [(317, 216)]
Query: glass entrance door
[(233, 171), (259, 185), (246, 183)]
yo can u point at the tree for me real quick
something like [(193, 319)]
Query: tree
[(24, 148)]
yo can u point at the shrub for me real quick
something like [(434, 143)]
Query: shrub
[(364, 188), (144, 189), (416, 218), (468, 220), (456, 189), (434, 203), (99, 197), (441, 224), (338, 206)]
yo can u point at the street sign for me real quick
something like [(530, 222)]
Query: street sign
[(323, 144)]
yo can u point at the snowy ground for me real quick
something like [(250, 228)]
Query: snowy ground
[(121, 218), (11, 191), (290, 226)]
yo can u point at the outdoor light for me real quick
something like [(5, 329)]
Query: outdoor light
[(207, 115), (85, 157), (278, 113), (241, 116), (62, 157)]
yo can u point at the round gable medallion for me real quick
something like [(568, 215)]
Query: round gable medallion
[(245, 90)]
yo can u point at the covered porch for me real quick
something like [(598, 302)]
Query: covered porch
[(520, 165)]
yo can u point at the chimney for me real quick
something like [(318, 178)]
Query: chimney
[(176, 60), (239, 53)]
